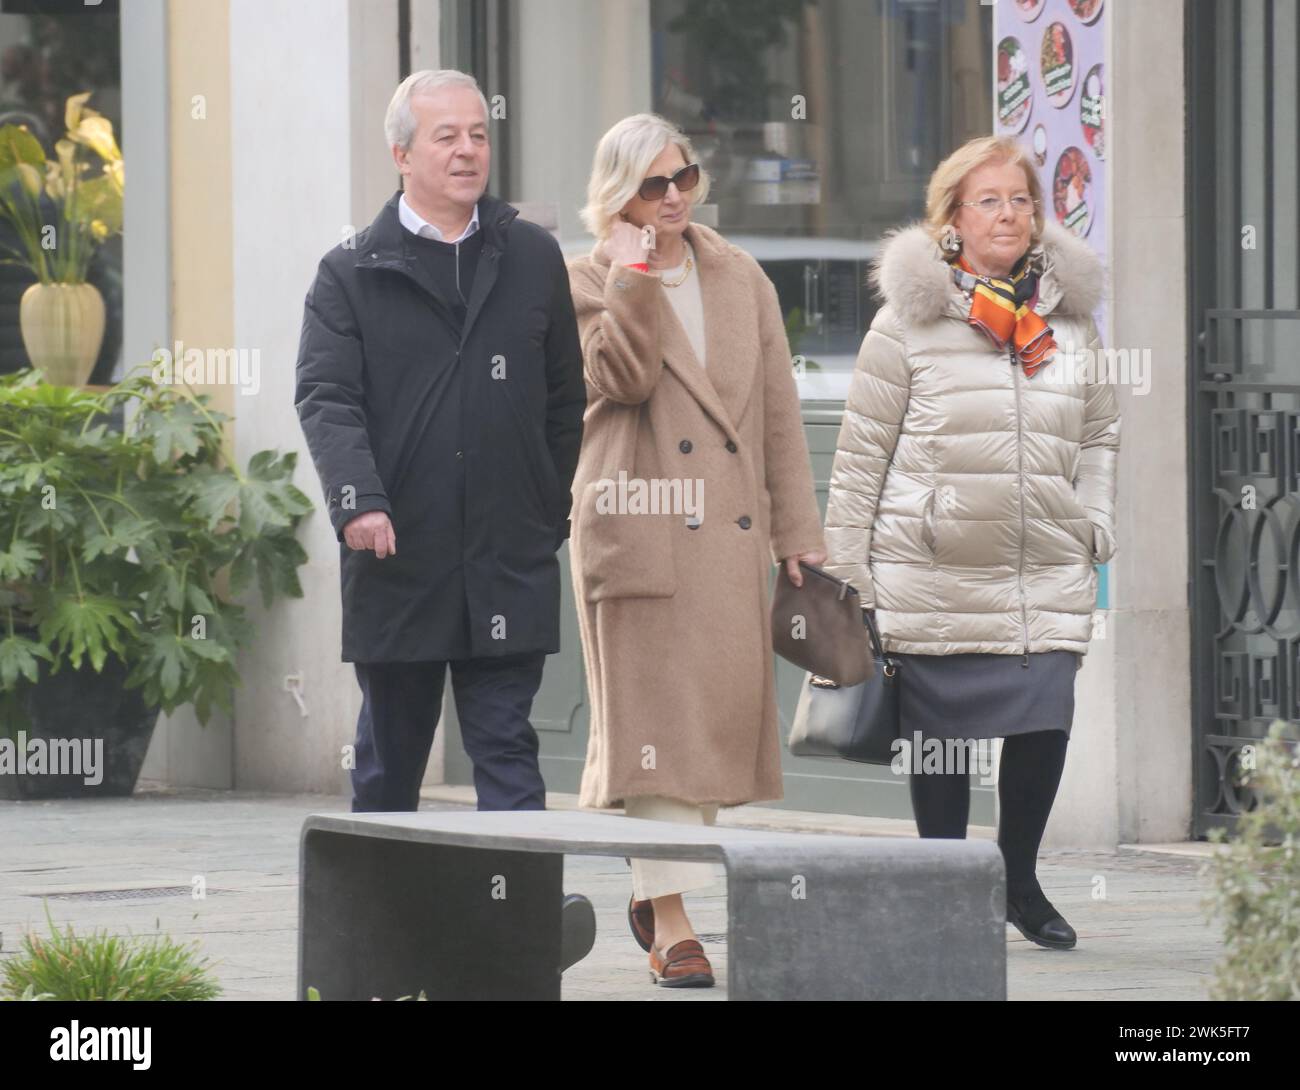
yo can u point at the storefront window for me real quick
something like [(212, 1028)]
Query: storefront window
[(819, 121), (49, 50)]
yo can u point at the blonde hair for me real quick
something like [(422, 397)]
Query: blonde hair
[(946, 181), (623, 156)]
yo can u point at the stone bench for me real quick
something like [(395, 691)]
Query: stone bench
[(467, 905)]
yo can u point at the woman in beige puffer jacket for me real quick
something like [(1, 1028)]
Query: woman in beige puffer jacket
[(973, 491)]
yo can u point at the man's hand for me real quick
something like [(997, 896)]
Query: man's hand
[(372, 530), (816, 558)]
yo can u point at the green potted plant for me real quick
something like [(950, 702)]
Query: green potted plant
[(60, 210), (123, 552), (1256, 893)]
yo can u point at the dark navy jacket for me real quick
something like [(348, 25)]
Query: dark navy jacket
[(469, 441)]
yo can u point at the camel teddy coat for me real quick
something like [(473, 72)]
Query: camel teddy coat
[(968, 503), (674, 606)]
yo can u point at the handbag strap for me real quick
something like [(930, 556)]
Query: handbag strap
[(890, 664)]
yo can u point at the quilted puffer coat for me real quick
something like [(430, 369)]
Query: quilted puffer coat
[(968, 503)]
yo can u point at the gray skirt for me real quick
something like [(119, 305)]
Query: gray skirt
[(986, 696)]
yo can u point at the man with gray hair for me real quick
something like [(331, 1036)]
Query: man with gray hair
[(440, 389)]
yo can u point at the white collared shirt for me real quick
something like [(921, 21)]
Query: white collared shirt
[(417, 225)]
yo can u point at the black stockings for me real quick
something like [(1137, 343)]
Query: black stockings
[(1028, 777)]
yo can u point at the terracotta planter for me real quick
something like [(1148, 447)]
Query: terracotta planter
[(63, 328)]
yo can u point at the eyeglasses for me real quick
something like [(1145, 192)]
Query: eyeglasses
[(991, 206), (686, 179)]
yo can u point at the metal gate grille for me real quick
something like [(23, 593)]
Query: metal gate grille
[(1244, 288)]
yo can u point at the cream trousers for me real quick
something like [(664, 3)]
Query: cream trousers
[(663, 877)]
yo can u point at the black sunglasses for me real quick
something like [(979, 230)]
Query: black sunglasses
[(686, 179)]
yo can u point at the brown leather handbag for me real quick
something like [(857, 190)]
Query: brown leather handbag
[(819, 626)]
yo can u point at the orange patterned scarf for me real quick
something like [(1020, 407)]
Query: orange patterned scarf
[(1003, 311)]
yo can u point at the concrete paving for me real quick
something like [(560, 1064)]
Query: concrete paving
[(1142, 931)]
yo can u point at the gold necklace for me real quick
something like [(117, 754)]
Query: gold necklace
[(690, 264)]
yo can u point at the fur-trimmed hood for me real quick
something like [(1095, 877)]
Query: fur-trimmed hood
[(911, 275)]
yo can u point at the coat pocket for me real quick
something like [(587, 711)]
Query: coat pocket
[(621, 554), (1072, 501), (1103, 545), (539, 466), (1078, 522), (927, 522)]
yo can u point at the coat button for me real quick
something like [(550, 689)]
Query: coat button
[(684, 446), (744, 522), (731, 446), (460, 454)]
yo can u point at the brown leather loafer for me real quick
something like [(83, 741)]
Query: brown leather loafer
[(641, 919), (684, 966)]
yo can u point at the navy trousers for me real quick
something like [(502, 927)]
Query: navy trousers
[(400, 704)]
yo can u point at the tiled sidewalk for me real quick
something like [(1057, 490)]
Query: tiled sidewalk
[(1147, 938)]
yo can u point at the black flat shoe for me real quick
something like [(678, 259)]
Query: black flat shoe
[(1035, 918), (577, 929)]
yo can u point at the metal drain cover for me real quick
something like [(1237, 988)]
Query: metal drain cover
[(152, 893)]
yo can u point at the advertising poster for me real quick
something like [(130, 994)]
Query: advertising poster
[(1049, 91), (1049, 88)]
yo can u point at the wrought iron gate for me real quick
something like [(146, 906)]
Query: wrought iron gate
[(1244, 287)]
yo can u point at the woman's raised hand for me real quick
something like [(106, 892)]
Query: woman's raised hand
[(626, 244)]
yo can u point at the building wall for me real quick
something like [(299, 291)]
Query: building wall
[(202, 276), (1153, 630), (309, 166), (1128, 776), (287, 156)]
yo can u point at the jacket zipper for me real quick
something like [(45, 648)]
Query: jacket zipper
[(1020, 469)]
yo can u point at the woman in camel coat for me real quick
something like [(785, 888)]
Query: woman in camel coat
[(690, 385)]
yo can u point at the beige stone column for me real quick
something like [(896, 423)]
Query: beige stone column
[(1129, 775)]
